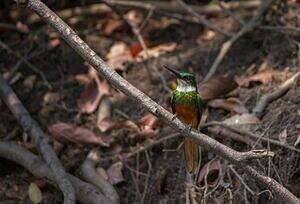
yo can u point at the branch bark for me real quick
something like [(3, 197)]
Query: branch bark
[(85, 192), (237, 158), (39, 138)]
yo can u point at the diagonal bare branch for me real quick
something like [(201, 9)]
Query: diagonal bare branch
[(237, 158)]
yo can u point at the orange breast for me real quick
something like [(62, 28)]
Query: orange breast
[(187, 114)]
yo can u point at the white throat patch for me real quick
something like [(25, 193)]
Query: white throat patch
[(183, 86)]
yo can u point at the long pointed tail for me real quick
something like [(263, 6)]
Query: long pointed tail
[(192, 157)]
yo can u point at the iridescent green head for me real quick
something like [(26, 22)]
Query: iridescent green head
[(186, 81)]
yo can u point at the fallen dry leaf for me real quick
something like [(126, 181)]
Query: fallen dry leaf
[(22, 27), (208, 35), (156, 51), (114, 173), (118, 55), (65, 133), (233, 105), (148, 126), (135, 17), (29, 82), (34, 193), (53, 43), (264, 77), (104, 120), (216, 87), (209, 172), (51, 98), (136, 48), (112, 25), (244, 119), (95, 89)]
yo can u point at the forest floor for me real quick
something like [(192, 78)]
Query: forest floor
[(83, 101)]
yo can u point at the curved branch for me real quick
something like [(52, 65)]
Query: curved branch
[(120, 83), (89, 174), (85, 192), (268, 98), (40, 140)]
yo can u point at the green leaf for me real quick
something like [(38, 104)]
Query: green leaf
[(35, 194)]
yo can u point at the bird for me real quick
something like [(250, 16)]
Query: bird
[(187, 106)]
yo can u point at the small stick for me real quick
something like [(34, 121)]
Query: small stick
[(268, 98), (283, 29), (147, 178), (249, 134), (31, 66), (228, 44), (223, 6), (241, 179), (203, 20), (149, 146)]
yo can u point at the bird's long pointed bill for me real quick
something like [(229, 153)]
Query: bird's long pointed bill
[(173, 71)]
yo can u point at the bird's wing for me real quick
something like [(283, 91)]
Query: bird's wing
[(173, 103), (200, 108)]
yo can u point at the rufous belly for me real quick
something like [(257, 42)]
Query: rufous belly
[(189, 115)]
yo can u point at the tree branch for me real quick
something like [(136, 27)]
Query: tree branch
[(237, 158), (89, 174), (39, 138), (268, 98), (85, 192)]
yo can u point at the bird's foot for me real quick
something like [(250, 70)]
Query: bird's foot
[(174, 116)]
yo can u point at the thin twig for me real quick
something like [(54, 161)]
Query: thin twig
[(203, 21), (12, 27), (149, 146), (237, 158), (31, 66), (147, 178), (283, 29), (251, 135), (279, 91), (40, 139), (241, 179), (85, 192), (223, 6), (245, 29), (175, 8)]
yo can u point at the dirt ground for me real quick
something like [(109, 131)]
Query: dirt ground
[(157, 175)]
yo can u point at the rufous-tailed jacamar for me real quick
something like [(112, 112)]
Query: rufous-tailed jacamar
[(187, 105)]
